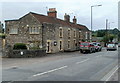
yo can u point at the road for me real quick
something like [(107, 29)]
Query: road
[(72, 66)]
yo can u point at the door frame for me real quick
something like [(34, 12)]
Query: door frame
[(49, 46)]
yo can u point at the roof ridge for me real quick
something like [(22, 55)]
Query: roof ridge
[(56, 18), (44, 18)]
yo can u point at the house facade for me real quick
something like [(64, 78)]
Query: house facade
[(1, 27), (46, 32)]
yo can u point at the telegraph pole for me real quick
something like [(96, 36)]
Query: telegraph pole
[(106, 39)]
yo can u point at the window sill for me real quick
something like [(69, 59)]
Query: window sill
[(34, 33), (13, 34), (69, 37), (60, 36)]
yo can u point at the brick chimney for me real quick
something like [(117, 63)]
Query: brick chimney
[(74, 20), (52, 12), (67, 17)]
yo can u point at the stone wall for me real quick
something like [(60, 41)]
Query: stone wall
[(1, 44), (25, 53), (47, 32), (23, 35)]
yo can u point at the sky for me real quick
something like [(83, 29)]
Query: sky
[(14, 9)]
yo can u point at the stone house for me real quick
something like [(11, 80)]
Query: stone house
[(1, 27), (46, 32)]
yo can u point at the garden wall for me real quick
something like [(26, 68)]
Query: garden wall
[(24, 53)]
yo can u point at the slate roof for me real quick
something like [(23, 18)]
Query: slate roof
[(43, 18)]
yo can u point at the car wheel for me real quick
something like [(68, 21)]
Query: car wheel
[(81, 51), (90, 51)]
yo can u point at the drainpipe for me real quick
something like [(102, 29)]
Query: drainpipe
[(42, 36)]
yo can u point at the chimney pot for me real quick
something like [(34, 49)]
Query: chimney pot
[(52, 12), (67, 17), (74, 20)]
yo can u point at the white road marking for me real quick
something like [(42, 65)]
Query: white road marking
[(39, 74), (82, 61), (110, 74)]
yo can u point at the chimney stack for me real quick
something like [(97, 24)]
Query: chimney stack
[(74, 20), (67, 17), (52, 12)]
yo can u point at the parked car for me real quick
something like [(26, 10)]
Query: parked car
[(111, 46), (87, 47), (98, 46), (118, 44)]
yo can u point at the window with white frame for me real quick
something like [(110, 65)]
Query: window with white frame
[(79, 34), (69, 34), (13, 30), (74, 33), (74, 42), (34, 30), (68, 44), (60, 32), (90, 35), (86, 36)]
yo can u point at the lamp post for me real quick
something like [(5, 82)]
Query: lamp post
[(106, 39), (92, 17)]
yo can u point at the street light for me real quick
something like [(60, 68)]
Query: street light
[(91, 17)]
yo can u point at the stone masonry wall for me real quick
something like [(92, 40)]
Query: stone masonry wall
[(23, 35), (47, 32)]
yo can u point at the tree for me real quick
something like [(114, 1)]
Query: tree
[(105, 40), (119, 36), (111, 37), (100, 33)]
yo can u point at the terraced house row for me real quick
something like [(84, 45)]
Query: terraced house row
[(48, 32)]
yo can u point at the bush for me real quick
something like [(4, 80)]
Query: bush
[(2, 35), (34, 48), (19, 46)]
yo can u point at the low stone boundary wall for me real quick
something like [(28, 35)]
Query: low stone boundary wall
[(1, 44), (25, 53)]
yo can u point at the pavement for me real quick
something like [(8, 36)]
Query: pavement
[(116, 74), (71, 66), (9, 62)]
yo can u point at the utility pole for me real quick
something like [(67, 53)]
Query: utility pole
[(106, 39)]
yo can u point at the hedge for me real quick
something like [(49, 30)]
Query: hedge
[(19, 46)]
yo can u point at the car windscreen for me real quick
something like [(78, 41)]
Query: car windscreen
[(110, 45), (95, 43), (85, 44)]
